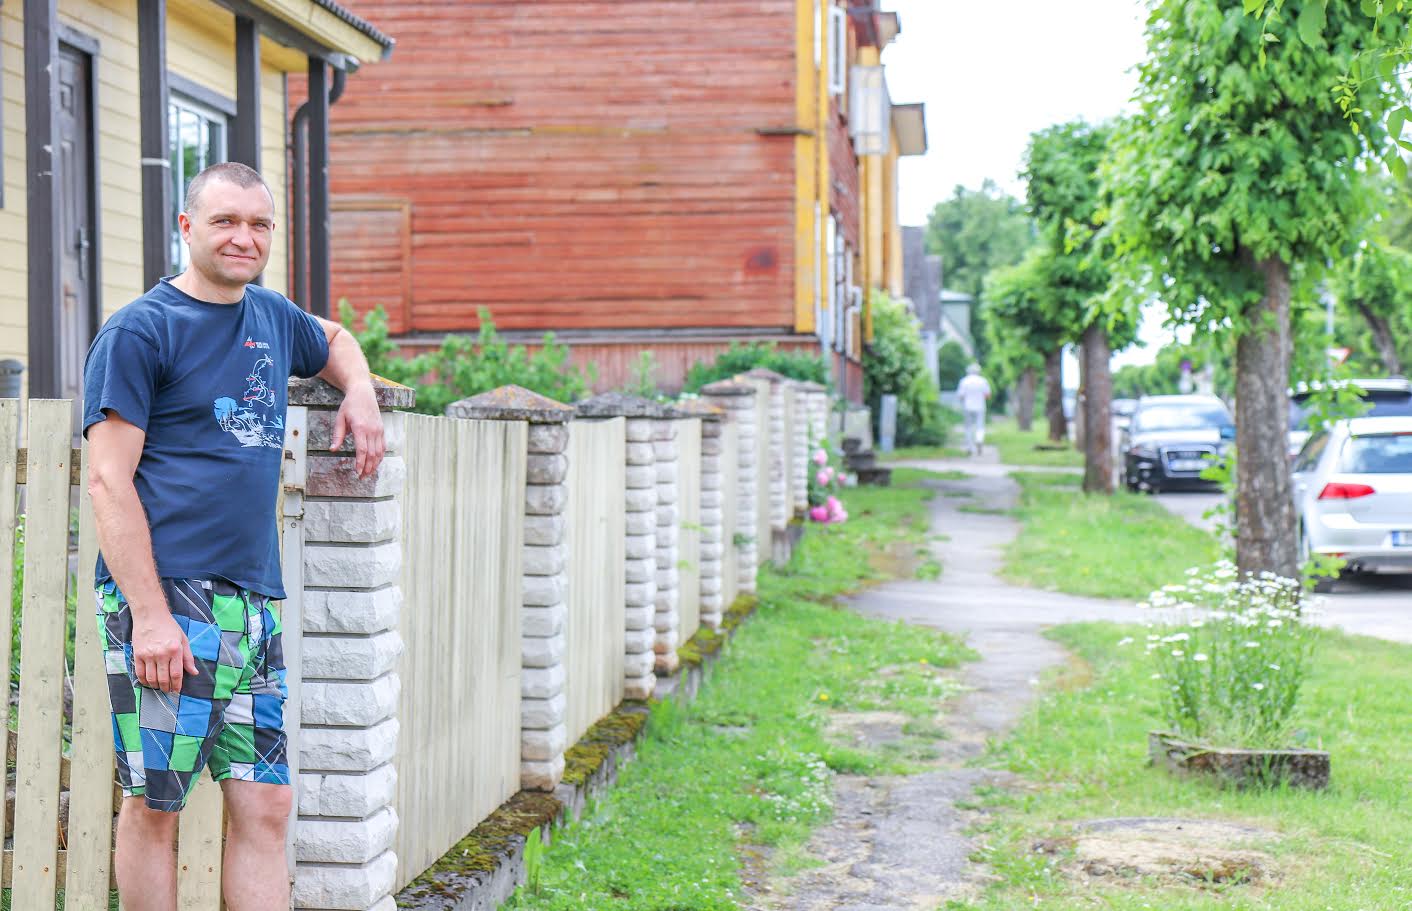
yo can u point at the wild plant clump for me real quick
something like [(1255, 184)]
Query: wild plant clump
[(1231, 655)]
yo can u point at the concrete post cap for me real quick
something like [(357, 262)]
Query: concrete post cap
[(511, 403), (317, 393)]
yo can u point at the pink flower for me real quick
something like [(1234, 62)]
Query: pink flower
[(824, 476), (833, 504), (819, 513), (821, 457)]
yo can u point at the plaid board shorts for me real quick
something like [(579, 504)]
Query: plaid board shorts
[(229, 716)]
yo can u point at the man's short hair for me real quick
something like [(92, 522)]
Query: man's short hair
[(241, 175)]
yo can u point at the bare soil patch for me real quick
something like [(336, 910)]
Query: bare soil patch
[(1192, 852)]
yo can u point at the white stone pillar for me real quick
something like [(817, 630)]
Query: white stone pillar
[(798, 396), (640, 568), (543, 643), (737, 399), (776, 450), (349, 686), (713, 542), (667, 619)]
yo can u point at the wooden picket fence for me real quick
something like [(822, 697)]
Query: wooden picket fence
[(689, 519), (55, 851)]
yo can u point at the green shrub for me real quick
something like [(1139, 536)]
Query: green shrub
[(808, 366), (951, 363), (465, 366), (895, 364)]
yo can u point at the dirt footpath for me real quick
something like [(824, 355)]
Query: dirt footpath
[(899, 842)]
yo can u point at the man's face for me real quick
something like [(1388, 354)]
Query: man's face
[(229, 232)]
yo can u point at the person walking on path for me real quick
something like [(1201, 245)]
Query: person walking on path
[(974, 392), (184, 408)]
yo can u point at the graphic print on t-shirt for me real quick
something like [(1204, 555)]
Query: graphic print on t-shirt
[(242, 419)]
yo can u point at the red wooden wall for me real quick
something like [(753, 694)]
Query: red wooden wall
[(570, 165)]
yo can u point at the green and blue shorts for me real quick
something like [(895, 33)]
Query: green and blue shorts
[(228, 716)]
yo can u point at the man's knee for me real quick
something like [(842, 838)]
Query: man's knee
[(262, 810), (146, 822)]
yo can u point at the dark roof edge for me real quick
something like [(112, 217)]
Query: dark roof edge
[(361, 24)]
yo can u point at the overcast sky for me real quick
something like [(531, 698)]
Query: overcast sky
[(991, 73)]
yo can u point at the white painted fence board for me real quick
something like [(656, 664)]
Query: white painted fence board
[(730, 491), (689, 513), (9, 442), (42, 637), (199, 837), (597, 623), (90, 832), (764, 536), (458, 750)]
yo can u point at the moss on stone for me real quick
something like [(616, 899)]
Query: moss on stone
[(591, 752), (485, 849)]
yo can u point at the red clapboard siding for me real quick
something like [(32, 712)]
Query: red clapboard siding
[(843, 170), (570, 165)]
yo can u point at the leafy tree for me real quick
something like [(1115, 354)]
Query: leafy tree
[(1375, 285), (1239, 168), (951, 363), (809, 365), (896, 364), (1028, 329), (1065, 196), (976, 231)]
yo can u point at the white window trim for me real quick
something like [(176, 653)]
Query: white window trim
[(179, 99), (838, 50)]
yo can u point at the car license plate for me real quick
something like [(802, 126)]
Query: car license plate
[(1402, 539), (1188, 464)]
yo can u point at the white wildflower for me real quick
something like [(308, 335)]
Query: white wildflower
[(1127, 640), (1199, 656)]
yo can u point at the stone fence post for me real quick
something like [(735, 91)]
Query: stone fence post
[(667, 619), (798, 394), (349, 645), (817, 410), (640, 567), (737, 400), (713, 541), (776, 458), (543, 703)]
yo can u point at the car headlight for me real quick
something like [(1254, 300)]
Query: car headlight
[(1143, 452)]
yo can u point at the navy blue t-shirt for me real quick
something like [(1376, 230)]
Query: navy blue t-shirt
[(208, 383)]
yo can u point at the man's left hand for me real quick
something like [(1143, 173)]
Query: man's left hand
[(360, 417)]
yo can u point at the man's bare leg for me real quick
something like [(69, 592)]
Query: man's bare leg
[(255, 876), (145, 861)]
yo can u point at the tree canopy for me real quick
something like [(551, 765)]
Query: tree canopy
[(976, 231)]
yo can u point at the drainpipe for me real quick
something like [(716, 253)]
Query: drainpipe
[(310, 285)]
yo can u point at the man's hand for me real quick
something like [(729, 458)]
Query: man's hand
[(160, 652), (359, 415)]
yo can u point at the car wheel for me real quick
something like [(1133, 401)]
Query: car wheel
[(1322, 584)]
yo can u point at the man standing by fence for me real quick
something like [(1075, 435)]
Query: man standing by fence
[(974, 392), (185, 396)]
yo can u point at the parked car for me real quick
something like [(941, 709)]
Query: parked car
[(1172, 439), (1353, 493), (1386, 397)]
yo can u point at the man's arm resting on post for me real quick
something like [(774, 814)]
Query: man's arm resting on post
[(359, 415), (160, 653)]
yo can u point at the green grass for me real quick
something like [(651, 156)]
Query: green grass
[(1121, 546), (750, 761), (1083, 751), (1032, 448), (921, 454)]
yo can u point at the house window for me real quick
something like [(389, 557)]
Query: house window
[(838, 50), (197, 140)]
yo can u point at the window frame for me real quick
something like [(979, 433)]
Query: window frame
[(184, 95), (838, 51)]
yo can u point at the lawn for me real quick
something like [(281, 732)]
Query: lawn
[(1121, 546), (1032, 447), (749, 764), (1082, 750)]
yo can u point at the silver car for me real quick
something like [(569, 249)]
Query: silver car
[(1353, 493)]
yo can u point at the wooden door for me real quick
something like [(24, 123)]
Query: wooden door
[(77, 298)]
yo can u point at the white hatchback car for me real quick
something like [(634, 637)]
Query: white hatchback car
[(1353, 493)]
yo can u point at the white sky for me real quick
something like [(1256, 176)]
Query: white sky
[(991, 73)]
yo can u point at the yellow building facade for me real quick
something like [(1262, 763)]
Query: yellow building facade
[(135, 98)]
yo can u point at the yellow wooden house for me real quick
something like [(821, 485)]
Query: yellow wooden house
[(110, 107)]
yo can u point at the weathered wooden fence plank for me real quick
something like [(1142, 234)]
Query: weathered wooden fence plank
[(90, 832), (596, 625), (689, 516), (42, 655), (730, 492), (9, 441), (199, 848), (458, 752), (764, 466)]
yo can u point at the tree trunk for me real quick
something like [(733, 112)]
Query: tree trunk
[(1098, 411), (1382, 337), (1054, 395), (1024, 400), (1265, 521)]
